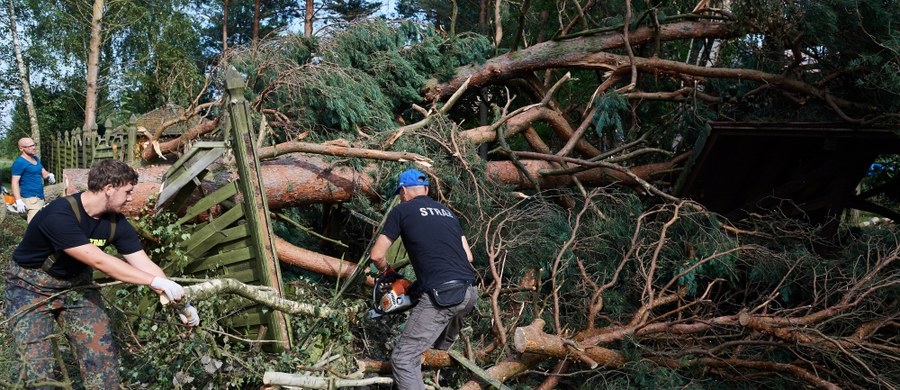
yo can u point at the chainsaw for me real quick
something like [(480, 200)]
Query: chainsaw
[(8, 200), (391, 294)]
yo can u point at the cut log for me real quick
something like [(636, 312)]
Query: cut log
[(432, 358), (317, 382), (507, 369), (532, 339), (316, 262), (303, 179)]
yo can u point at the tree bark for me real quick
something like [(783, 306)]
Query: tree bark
[(318, 382), (23, 77), (316, 262), (301, 179), (255, 21), (532, 339), (308, 19), (565, 53), (225, 27), (149, 153), (93, 67)]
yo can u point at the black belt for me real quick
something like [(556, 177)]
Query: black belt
[(457, 282)]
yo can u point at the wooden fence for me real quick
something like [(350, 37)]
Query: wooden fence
[(79, 149)]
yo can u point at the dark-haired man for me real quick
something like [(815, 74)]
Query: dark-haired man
[(441, 259), (50, 279)]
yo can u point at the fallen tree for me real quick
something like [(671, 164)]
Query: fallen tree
[(302, 179)]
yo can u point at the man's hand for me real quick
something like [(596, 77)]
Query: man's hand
[(189, 315), (173, 290), (20, 206), (51, 178), (388, 271)]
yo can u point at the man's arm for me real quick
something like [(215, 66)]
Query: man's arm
[(110, 265), (141, 261), (14, 182), (465, 245), (379, 252)]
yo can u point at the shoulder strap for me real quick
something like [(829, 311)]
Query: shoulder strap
[(48, 263), (74, 204), (112, 216)]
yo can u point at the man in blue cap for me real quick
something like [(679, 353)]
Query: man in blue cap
[(441, 259)]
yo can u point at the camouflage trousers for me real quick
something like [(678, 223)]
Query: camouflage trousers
[(34, 302)]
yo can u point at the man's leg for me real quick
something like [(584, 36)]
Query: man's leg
[(424, 325), (32, 206), (31, 321), (87, 327), (451, 332)]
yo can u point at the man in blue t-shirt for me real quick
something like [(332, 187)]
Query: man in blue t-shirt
[(28, 179), (441, 259), (50, 278)]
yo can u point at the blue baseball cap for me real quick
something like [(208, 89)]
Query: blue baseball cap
[(410, 178)]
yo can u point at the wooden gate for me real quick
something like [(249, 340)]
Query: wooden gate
[(238, 242)]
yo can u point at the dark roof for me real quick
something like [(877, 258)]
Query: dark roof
[(807, 170)]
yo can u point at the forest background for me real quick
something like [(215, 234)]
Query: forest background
[(557, 130)]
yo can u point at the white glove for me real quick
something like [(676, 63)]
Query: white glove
[(20, 206), (51, 178), (188, 315), (173, 290)]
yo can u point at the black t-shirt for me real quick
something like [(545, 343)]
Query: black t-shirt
[(55, 228), (433, 238)]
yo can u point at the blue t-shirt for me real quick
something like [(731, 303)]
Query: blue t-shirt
[(31, 183), (55, 228), (433, 238)]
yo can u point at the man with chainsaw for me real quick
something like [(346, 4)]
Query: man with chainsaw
[(441, 259), (50, 279), (28, 179)]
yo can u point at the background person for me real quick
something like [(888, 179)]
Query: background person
[(27, 179), (441, 259), (50, 279)]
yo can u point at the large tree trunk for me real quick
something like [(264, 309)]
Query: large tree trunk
[(23, 77), (93, 67), (308, 19), (572, 52), (316, 262), (301, 179)]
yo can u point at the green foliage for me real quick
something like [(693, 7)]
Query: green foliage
[(610, 106), (54, 107), (359, 78), (349, 10)]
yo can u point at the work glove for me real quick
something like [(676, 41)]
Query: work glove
[(189, 315), (51, 178), (20, 206), (173, 290)]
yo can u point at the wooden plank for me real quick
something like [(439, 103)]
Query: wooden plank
[(235, 245), (254, 201), (195, 149), (225, 192), (231, 234), (249, 276), (178, 201), (174, 185), (231, 257), (213, 261), (252, 317), (213, 227), (478, 371)]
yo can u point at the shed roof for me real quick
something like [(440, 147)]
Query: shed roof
[(806, 170)]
